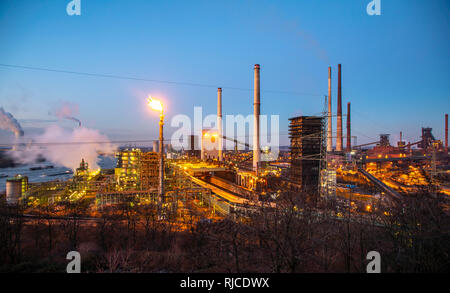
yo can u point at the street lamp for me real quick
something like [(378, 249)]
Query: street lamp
[(157, 105)]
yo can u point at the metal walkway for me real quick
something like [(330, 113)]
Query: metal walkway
[(394, 194)]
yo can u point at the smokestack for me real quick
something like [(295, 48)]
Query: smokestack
[(401, 136), (446, 133), (330, 127), (339, 141), (349, 133), (219, 121), (73, 119), (256, 112)]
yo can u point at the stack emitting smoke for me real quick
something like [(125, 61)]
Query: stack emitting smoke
[(330, 127), (219, 121), (8, 122), (66, 111), (256, 112), (73, 119), (339, 140)]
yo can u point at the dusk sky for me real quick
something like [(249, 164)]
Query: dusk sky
[(395, 67)]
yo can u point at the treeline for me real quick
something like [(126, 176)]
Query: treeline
[(299, 236)]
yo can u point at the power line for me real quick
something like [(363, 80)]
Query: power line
[(151, 80)]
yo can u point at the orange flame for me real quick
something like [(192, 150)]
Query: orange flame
[(155, 104)]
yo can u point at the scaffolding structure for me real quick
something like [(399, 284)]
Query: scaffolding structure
[(306, 135), (148, 170), (137, 170), (327, 173)]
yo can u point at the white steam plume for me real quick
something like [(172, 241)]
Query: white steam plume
[(8, 122), (66, 111), (67, 147)]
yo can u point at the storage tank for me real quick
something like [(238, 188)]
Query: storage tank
[(15, 188)]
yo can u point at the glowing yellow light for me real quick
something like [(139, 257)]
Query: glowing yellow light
[(155, 104)]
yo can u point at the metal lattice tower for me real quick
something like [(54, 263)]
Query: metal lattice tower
[(327, 174), (323, 163)]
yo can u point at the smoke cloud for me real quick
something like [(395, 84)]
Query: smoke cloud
[(67, 110), (8, 122), (67, 147)]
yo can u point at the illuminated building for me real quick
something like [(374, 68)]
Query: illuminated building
[(210, 145), (148, 168), (83, 170), (137, 169)]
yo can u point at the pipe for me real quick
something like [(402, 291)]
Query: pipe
[(192, 148), (330, 127), (256, 113), (219, 122), (446, 133), (349, 134), (339, 140), (161, 158)]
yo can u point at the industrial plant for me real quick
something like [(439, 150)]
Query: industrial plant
[(317, 165), (317, 178)]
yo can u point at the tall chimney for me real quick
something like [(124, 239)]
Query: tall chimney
[(349, 133), (256, 112), (330, 127), (446, 133), (339, 141), (219, 121)]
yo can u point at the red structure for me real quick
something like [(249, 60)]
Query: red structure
[(339, 141)]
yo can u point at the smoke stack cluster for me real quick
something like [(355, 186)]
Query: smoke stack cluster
[(339, 140), (330, 127), (349, 133), (256, 112), (219, 121), (446, 133)]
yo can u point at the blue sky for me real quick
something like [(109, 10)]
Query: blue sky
[(395, 67)]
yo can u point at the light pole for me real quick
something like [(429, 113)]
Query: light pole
[(157, 105)]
